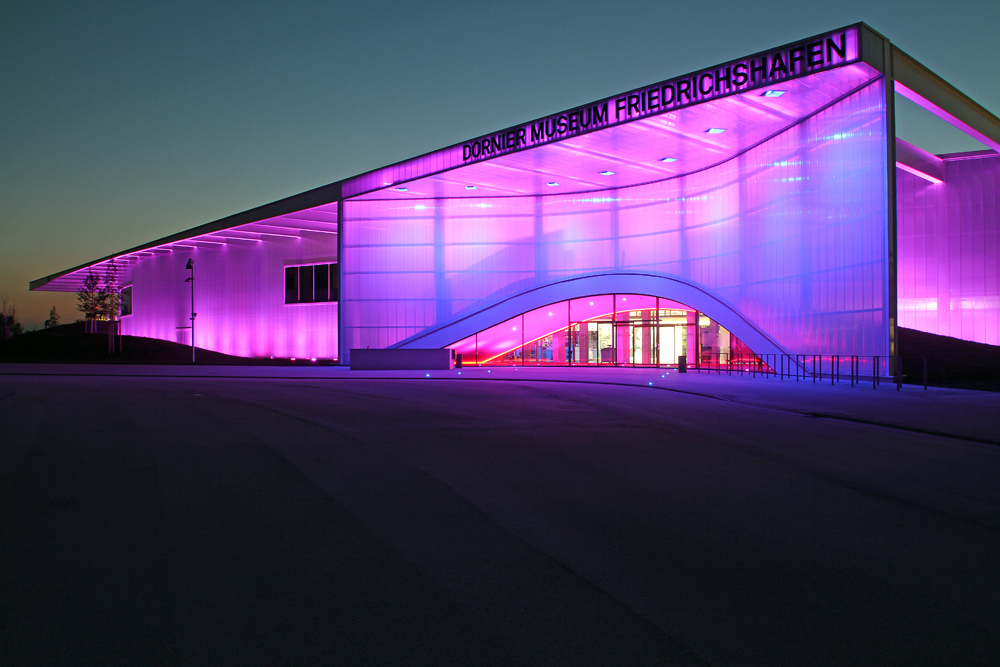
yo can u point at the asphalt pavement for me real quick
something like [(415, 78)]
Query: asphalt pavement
[(299, 516)]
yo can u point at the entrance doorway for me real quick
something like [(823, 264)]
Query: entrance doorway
[(632, 330)]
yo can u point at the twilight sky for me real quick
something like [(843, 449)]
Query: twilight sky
[(122, 122)]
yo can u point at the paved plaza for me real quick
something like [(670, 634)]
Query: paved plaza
[(318, 516)]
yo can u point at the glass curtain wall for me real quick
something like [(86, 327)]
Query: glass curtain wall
[(606, 330)]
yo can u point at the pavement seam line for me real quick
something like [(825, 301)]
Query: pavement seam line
[(820, 415)]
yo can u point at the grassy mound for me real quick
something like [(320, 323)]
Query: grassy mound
[(950, 361)]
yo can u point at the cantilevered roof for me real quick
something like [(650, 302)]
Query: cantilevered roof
[(645, 150), (661, 131), (310, 213)]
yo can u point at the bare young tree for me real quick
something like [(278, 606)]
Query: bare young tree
[(53, 320), (9, 326)]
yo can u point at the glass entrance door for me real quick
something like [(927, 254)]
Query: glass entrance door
[(603, 330)]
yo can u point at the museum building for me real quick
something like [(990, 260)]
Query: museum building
[(762, 206)]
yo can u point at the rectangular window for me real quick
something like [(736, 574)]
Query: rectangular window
[(126, 301), (305, 284), (321, 276), (312, 283), (291, 285)]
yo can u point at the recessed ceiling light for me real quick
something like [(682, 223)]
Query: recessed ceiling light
[(552, 183), (715, 130), (668, 159), (772, 93), (403, 189), (607, 173), (470, 187)]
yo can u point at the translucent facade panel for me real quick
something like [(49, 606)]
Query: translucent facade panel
[(949, 250), (792, 233)]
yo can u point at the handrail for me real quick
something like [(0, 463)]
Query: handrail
[(805, 367)]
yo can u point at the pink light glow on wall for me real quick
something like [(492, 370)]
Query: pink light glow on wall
[(949, 250), (239, 298), (791, 233)]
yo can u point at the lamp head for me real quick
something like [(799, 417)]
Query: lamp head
[(190, 264)]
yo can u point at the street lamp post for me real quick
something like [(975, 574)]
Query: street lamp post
[(190, 266)]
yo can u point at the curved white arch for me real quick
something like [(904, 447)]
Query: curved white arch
[(608, 283)]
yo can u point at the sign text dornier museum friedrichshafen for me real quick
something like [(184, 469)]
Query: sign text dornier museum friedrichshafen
[(760, 70)]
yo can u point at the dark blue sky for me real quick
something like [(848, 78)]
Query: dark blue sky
[(121, 122)]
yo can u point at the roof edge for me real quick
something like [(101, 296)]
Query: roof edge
[(325, 194)]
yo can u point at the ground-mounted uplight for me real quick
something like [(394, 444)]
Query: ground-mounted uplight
[(552, 184), (607, 172), (668, 159), (715, 130), (772, 93), (402, 189), (470, 187)]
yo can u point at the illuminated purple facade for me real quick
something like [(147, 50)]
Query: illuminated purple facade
[(949, 249), (751, 206)]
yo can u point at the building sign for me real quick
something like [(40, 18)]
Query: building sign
[(795, 60)]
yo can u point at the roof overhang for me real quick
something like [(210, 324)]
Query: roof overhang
[(653, 133), (925, 88)]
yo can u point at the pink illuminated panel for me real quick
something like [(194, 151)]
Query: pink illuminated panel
[(592, 308), (239, 298), (949, 250), (791, 232)]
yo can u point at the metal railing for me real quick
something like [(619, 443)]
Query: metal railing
[(853, 368)]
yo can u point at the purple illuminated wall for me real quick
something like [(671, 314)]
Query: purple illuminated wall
[(239, 298), (791, 233), (949, 250)]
